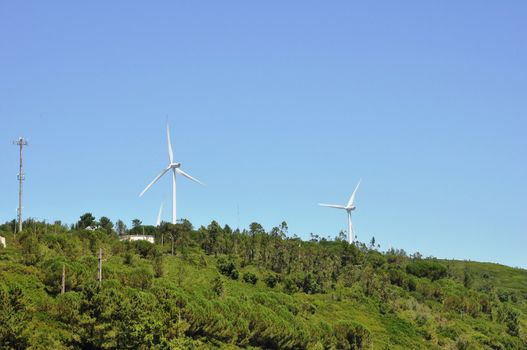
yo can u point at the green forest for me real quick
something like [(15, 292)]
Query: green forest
[(218, 288)]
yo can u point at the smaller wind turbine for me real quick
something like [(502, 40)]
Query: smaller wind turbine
[(349, 208), (158, 221)]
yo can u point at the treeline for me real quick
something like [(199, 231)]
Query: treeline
[(213, 286)]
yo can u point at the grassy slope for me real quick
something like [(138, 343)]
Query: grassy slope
[(405, 327), (510, 278), (386, 330), (389, 330), (504, 277)]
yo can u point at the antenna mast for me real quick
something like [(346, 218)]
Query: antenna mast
[(21, 142)]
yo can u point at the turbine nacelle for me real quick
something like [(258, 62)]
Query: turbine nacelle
[(351, 208), (174, 165)]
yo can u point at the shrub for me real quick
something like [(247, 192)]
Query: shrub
[(31, 249), (290, 285), (140, 277), (228, 269), (158, 266), (310, 285), (463, 343), (509, 316), (145, 249), (250, 277), (351, 336), (128, 259), (217, 286), (396, 277), (411, 284), (427, 268), (376, 259), (271, 281)]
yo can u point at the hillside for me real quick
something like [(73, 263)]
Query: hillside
[(212, 287)]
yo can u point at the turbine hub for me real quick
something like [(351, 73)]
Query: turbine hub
[(175, 165)]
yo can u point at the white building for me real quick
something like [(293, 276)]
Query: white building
[(2, 242), (137, 238)]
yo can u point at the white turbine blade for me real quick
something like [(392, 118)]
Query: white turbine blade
[(179, 171), (352, 198), (332, 206), (170, 153), (158, 222), (154, 181)]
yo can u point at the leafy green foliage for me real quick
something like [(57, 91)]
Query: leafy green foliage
[(509, 316), (218, 286), (228, 269), (250, 278), (426, 268), (106, 224), (316, 295), (159, 269), (271, 280), (351, 336), (144, 248)]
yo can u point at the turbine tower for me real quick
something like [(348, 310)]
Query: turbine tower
[(21, 142), (175, 167), (349, 208), (158, 222)]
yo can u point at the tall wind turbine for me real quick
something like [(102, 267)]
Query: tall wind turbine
[(175, 167), (349, 208)]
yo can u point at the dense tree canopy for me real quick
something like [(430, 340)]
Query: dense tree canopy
[(213, 287)]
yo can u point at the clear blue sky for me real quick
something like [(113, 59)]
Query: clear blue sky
[(276, 105)]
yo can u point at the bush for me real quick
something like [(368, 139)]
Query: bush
[(145, 249), (352, 336), (78, 273), (140, 277), (250, 277), (158, 266), (411, 284), (128, 259), (509, 316), (505, 295), (31, 249), (462, 343), (271, 281), (290, 286), (228, 269), (310, 285), (217, 286), (427, 268), (376, 259), (397, 277)]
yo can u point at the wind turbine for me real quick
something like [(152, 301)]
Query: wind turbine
[(349, 208), (175, 167), (158, 221)]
